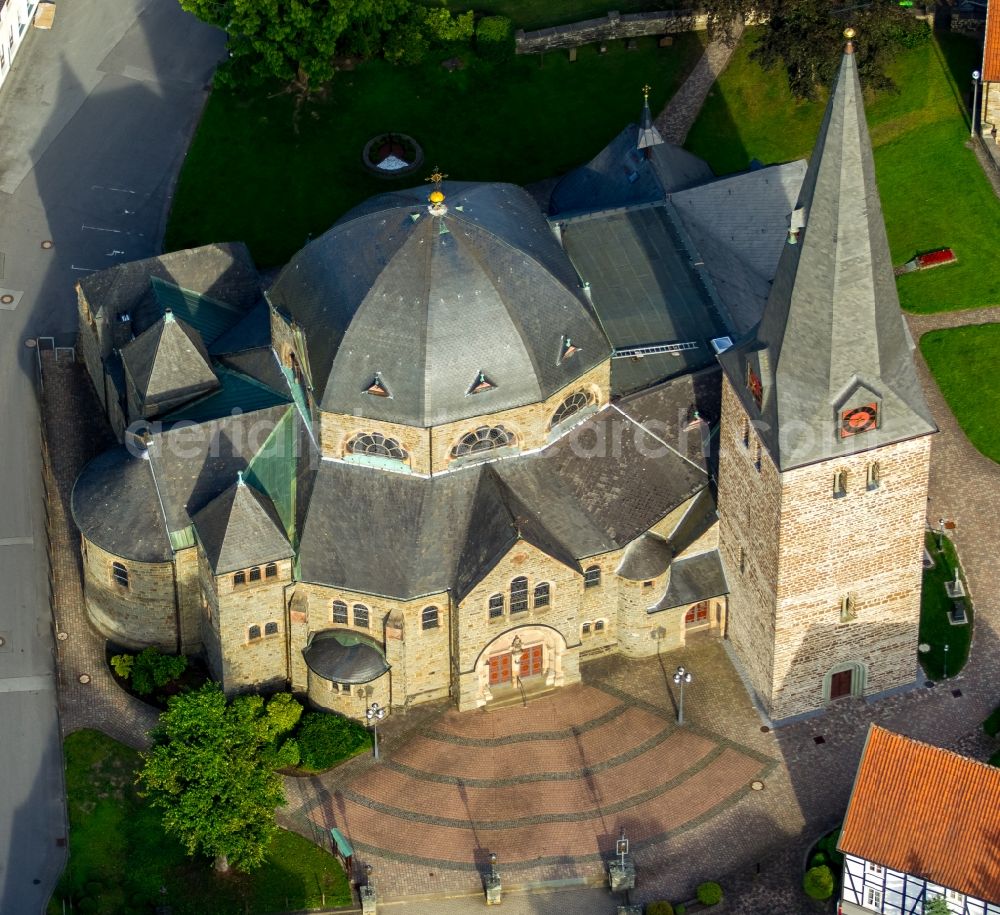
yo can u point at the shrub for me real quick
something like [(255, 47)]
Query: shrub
[(828, 845), (992, 724), (152, 669), (659, 908), (325, 739), (817, 859), (447, 27), (122, 664), (818, 882), (495, 37), (709, 893), (937, 906), (680, 909)]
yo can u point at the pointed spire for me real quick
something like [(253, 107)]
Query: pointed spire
[(239, 478), (648, 134), (832, 337)]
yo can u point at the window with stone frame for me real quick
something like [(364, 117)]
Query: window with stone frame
[(840, 484), (339, 612), (542, 595), (585, 630), (253, 633), (378, 445), (873, 476), (519, 595), (239, 579), (270, 628), (271, 570), (429, 618), (746, 432), (592, 577), (848, 608), (361, 616), (757, 457), (598, 626), (485, 438), (577, 401), (496, 606), (120, 575), (255, 573)]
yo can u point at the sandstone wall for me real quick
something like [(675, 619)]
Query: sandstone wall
[(612, 26)]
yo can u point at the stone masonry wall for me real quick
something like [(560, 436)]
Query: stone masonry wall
[(189, 599), (138, 616), (869, 545), (749, 512), (614, 25), (430, 449), (990, 110)]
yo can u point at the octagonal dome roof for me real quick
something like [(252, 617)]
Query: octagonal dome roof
[(422, 318)]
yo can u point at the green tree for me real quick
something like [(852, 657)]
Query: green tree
[(151, 669), (937, 906), (818, 882), (805, 37), (212, 771)]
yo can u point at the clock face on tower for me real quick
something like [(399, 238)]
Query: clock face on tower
[(858, 419)]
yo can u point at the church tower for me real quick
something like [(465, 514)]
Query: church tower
[(825, 447)]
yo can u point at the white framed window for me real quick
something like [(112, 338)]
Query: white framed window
[(874, 868), (954, 896), (873, 898)]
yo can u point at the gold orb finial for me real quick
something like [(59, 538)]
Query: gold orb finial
[(849, 33), (436, 197)]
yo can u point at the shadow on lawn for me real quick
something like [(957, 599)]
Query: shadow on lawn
[(959, 55)]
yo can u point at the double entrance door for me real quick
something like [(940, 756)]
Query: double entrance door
[(501, 665)]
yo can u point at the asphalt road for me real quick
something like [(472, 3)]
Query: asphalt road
[(94, 121)]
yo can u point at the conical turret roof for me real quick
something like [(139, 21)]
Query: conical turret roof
[(829, 370)]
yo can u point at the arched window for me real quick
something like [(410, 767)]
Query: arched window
[(239, 578), (270, 629), (485, 438), (598, 625), (576, 402), (340, 612), (519, 595), (874, 475), (496, 606), (592, 577), (271, 570), (253, 633), (840, 484), (376, 444), (429, 618), (120, 574), (361, 616), (255, 573), (585, 630), (542, 595)]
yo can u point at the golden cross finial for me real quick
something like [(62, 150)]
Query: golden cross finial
[(436, 177), (645, 93)]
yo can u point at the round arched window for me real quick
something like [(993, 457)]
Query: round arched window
[(576, 402), (485, 438), (378, 445)]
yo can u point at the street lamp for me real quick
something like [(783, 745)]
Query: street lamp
[(975, 100), (375, 714), (945, 671), (680, 678)]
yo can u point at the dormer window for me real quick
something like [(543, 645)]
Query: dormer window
[(481, 385), (377, 387), (567, 350)]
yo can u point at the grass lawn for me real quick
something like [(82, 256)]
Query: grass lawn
[(935, 629), (531, 14), (933, 191), (120, 857), (250, 176), (964, 362)]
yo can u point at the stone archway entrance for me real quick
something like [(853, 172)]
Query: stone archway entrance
[(526, 657)]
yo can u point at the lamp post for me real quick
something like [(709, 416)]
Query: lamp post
[(369, 898), (494, 885), (945, 671), (680, 678), (975, 100), (375, 714)]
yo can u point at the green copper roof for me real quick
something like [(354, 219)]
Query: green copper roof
[(210, 317), (237, 392)]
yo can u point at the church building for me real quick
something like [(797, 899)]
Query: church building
[(467, 440)]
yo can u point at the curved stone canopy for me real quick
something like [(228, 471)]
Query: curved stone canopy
[(344, 657), (646, 557), (436, 305), (116, 507)]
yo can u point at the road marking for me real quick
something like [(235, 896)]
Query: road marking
[(99, 229), (85, 269), (114, 252), (25, 684), (119, 190), (17, 541)]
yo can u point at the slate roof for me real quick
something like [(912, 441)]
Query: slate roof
[(193, 463), (646, 557), (207, 315), (251, 331), (344, 657), (115, 505), (926, 811), (428, 302), (237, 392), (261, 364), (239, 529), (623, 175), (832, 335), (168, 363), (693, 579)]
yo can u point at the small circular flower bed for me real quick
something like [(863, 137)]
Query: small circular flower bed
[(392, 155)]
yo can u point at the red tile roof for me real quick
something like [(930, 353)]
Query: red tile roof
[(927, 812), (991, 50)]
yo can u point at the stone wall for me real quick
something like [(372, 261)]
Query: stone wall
[(351, 701), (144, 613), (612, 26), (990, 109)]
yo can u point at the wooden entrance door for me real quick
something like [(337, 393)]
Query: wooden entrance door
[(697, 615), (500, 669), (840, 684), (531, 661)]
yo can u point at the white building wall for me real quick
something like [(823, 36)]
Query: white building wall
[(869, 887), (15, 20)]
